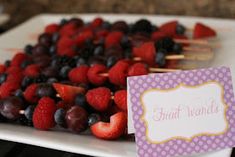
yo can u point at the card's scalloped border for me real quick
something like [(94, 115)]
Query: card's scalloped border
[(181, 137)]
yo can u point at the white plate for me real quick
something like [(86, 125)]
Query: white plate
[(84, 144)]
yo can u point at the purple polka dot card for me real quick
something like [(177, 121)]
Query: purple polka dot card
[(182, 113)]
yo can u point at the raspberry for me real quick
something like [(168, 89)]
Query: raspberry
[(137, 69), (120, 98), (43, 116), (63, 105), (68, 29), (84, 36), (113, 39), (79, 74), (8, 88), (2, 68), (102, 33), (93, 74), (97, 22), (18, 59), (51, 28), (32, 70), (30, 93), (13, 69), (99, 98), (118, 73), (146, 52), (15, 77), (65, 46)]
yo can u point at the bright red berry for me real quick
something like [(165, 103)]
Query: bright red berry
[(8, 88), (51, 28), (99, 98), (2, 68), (15, 77), (112, 130), (13, 69), (97, 22), (18, 59), (203, 31), (138, 69), (67, 92), (93, 74), (32, 70), (65, 46), (120, 99), (113, 38), (118, 73), (30, 93), (146, 52), (79, 74), (158, 35), (43, 116), (169, 28)]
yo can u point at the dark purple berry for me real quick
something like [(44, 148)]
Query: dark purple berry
[(45, 90), (76, 119), (11, 107), (7, 63), (40, 50), (45, 39)]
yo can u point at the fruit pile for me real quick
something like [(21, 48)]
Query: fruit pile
[(75, 76)]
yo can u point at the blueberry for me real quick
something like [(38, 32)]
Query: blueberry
[(81, 61), (28, 49), (24, 121), (25, 63), (111, 61), (125, 42), (52, 80), (55, 37), (93, 118), (99, 50), (177, 48), (29, 112), (160, 58), (26, 81), (19, 93), (127, 54), (165, 43), (45, 90), (180, 29), (80, 100), (40, 78), (106, 25), (52, 50), (63, 21), (7, 63), (59, 117), (3, 77), (64, 71)]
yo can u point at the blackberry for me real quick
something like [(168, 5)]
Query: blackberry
[(142, 25), (165, 43)]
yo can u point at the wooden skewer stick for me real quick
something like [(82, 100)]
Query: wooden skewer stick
[(201, 42)]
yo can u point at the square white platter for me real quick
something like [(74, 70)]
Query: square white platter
[(19, 36)]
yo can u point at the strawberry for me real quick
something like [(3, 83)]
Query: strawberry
[(93, 74), (112, 130), (118, 73), (18, 59), (79, 74), (99, 98), (51, 28), (113, 38), (169, 28), (67, 92), (203, 31), (146, 52), (32, 70), (120, 98), (138, 69), (43, 116), (30, 93), (8, 88)]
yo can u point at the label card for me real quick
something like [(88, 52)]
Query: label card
[(182, 113)]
